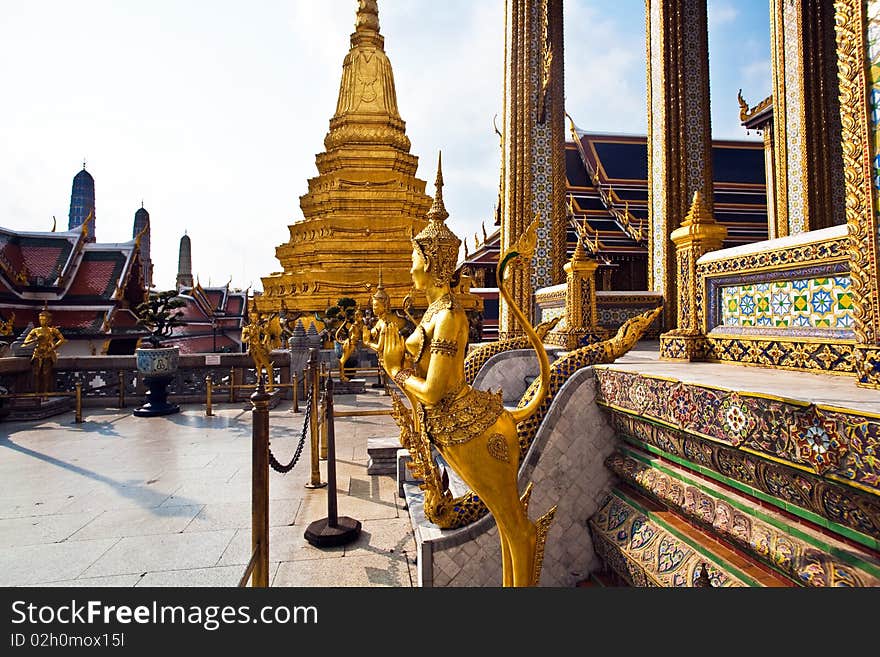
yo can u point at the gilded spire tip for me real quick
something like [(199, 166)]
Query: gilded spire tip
[(438, 209), (367, 19)]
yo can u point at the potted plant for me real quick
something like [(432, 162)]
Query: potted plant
[(159, 314)]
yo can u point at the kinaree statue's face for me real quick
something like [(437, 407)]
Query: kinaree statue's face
[(419, 273), (379, 308), (44, 320)]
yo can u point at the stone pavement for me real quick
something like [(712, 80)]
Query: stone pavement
[(165, 501)]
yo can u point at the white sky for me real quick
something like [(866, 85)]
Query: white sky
[(211, 112)]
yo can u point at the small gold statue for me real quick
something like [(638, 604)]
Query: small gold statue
[(262, 335), (350, 344), (381, 307), (46, 340), (470, 428), (6, 325)]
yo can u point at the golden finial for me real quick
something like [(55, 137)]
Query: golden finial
[(140, 236), (743, 106), (483, 226), (85, 224), (438, 210), (367, 19)]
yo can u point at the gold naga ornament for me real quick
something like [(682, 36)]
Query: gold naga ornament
[(470, 428)]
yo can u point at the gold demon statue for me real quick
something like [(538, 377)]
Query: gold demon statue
[(470, 428)]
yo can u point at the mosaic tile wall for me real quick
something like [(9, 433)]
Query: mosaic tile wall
[(809, 303)]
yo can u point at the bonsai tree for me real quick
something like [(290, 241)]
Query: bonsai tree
[(160, 314), (336, 316)]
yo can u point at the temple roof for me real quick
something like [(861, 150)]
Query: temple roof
[(607, 188), (88, 287), (211, 312)]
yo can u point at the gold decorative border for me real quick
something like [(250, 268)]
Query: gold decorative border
[(777, 49), (851, 28)]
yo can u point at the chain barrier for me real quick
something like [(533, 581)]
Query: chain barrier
[(284, 469)]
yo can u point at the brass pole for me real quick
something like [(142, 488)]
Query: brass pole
[(121, 389), (231, 385), (332, 516), (314, 383), (78, 418), (260, 486), (209, 384), (324, 448), (295, 394)]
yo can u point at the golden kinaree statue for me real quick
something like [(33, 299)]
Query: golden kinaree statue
[(470, 428), (262, 335), (381, 307), (46, 340), (350, 344)]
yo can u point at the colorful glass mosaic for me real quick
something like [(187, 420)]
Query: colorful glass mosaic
[(806, 303)]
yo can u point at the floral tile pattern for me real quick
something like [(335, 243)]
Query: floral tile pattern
[(806, 303)]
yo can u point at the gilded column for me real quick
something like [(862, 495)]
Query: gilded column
[(809, 186), (858, 59), (533, 164), (679, 130), (698, 234)]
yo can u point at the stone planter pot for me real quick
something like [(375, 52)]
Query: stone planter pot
[(157, 367)]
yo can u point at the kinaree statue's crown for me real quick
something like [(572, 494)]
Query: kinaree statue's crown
[(439, 244), (380, 294)]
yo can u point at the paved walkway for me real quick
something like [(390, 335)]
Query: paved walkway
[(127, 501)]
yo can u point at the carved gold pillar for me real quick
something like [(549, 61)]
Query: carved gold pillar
[(581, 310), (679, 130), (857, 59), (769, 178), (698, 234), (533, 155), (809, 185)]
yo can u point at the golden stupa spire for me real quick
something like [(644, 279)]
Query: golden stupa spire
[(367, 107), (367, 21)]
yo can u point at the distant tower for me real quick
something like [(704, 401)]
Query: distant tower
[(184, 263), (82, 201), (142, 225)]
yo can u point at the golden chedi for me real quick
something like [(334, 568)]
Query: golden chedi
[(366, 203)]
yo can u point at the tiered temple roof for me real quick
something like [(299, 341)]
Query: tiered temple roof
[(214, 318), (90, 288)]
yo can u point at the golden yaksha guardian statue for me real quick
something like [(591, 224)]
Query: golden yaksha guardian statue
[(470, 428), (46, 339), (262, 335)]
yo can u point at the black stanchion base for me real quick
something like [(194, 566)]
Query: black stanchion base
[(321, 534), (157, 398)]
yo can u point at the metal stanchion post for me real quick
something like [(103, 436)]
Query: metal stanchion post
[(209, 385), (78, 413), (231, 385), (314, 383), (323, 419), (295, 394), (121, 389), (332, 530), (260, 486)]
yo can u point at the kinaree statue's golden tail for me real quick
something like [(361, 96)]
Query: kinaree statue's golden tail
[(523, 248)]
